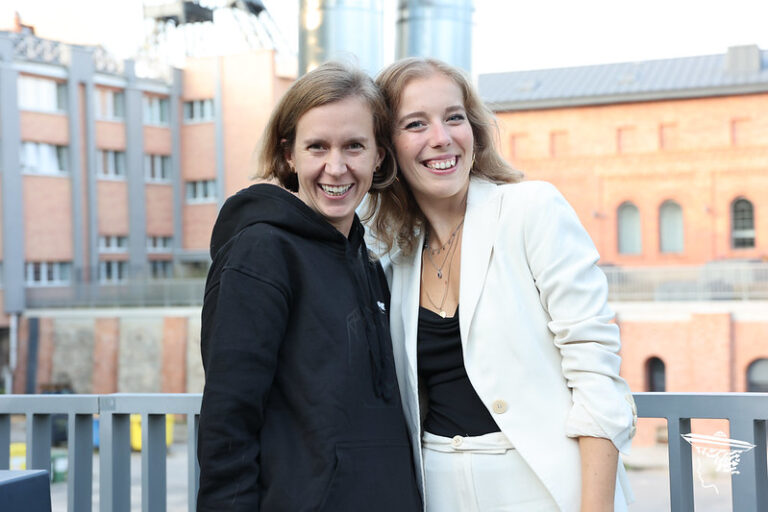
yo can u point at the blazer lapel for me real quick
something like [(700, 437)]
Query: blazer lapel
[(411, 286), (480, 223)]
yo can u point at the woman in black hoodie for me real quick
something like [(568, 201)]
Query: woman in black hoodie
[(301, 409)]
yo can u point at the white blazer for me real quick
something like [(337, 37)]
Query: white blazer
[(540, 346)]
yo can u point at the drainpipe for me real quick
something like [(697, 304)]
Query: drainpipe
[(13, 347)]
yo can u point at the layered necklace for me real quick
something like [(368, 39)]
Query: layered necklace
[(449, 249)]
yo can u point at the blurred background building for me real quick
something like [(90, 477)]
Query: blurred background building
[(113, 173)]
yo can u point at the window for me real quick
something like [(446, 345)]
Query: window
[(668, 138), (48, 273), (201, 191), (42, 94), (558, 144), (39, 158), (161, 269), (110, 164), (670, 227), (198, 111), (625, 140), (742, 224), (112, 243), (159, 244), (757, 376), (156, 110), (110, 104), (630, 237), (655, 375), (157, 168), (112, 271)]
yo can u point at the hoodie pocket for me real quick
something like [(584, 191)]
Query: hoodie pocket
[(375, 477)]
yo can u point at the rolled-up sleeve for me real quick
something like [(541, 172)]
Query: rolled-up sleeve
[(574, 292)]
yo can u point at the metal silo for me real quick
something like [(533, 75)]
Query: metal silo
[(436, 28), (347, 30)]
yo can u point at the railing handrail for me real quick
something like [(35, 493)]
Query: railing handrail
[(747, 413)]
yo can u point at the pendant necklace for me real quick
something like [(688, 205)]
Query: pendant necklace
[(448, 257), (448, 244)]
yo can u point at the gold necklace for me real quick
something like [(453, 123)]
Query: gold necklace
[(449, 244), (450, 253)]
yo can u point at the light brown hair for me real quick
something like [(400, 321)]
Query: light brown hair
[(328, 83), (399, 218)]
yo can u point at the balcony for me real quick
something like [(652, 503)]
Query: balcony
[(746, 413), (713, 281)]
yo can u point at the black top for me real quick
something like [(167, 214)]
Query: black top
[(301, 410), (454, 407)]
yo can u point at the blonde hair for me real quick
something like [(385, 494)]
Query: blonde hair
[(399, 218), (328, 83)]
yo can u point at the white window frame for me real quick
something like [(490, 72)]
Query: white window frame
[(159, 244), (157, 168), (201, 191), (51, 273), (161, 269), (671, 228), (629, 229), (112, 271), (32, 156), (198, 111), (116, 166), (113, 244), (38, 94), (110, 105), (156, 110)]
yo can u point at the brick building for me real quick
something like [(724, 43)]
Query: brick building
[(666, 164)]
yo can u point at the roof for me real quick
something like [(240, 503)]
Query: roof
[(742, 70)]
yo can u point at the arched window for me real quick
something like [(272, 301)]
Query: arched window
[(742, 224), (757, 376), (630, 240), (670, 227), (655, 375)]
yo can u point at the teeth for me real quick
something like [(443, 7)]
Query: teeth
[(338, 190), (441, 164)]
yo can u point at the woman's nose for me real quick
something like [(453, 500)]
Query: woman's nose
[(440, 135)]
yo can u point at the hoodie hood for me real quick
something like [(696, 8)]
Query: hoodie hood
[(273, 205)]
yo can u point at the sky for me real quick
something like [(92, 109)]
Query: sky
[(508, 35)]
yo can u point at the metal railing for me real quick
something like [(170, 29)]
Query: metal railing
[(132, 293), (713, 281), (746, 412), (114, 444)]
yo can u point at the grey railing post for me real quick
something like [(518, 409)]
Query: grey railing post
[(114, 458), (680, 469), (153, 495), (5, 441), (80, 462), (39, 441), (193, 467), (748, 483)]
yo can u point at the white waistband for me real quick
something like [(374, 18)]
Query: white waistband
[(495, 442)]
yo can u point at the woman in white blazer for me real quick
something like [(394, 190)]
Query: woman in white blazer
[(498, 316)]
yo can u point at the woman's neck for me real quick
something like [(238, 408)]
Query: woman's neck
[(443, 216)]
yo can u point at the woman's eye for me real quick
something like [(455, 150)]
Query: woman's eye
[(456, 117), (315, 147), (414, 124), (356, 145)]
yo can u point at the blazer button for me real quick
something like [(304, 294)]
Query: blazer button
[(457, 441), (499, 406)]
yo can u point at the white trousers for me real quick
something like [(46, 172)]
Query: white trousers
[(480, 474)]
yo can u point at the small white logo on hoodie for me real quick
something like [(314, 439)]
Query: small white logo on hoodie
[(382, 307)]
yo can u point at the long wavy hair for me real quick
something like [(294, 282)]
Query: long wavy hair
[(398, 219)]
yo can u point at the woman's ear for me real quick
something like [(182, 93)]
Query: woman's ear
[(288, 154), (380, 158)]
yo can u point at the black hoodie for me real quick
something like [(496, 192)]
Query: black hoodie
[(301, 410)]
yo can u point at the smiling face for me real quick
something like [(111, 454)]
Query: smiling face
[(433, 139), (334, 155)]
